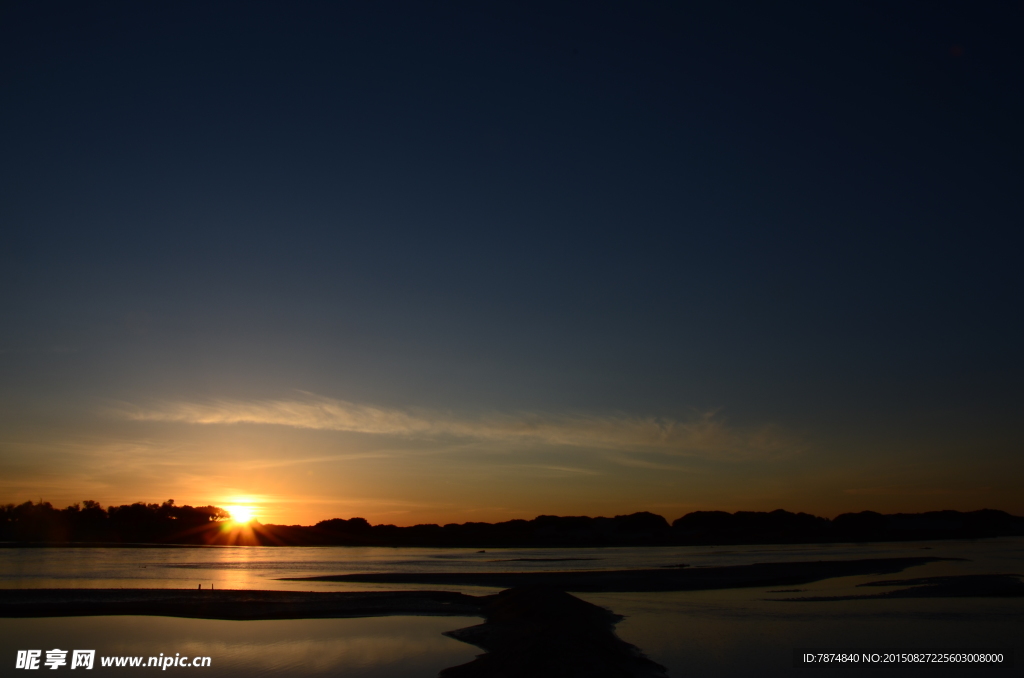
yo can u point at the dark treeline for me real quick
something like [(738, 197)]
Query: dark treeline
[(90, 523)]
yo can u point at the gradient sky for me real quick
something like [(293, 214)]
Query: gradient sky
[(435, 262)]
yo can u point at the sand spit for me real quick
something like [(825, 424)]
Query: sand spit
[(663, 579), (229, 604), (543, 632)]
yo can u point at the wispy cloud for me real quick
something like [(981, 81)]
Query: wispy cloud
[(548, 469), (904, 491), (706, 435), (626, 460)]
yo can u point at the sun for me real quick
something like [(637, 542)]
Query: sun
[(241, 514)]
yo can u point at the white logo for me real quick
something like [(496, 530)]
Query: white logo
[(55, 658), (28, 659), (83, 658)]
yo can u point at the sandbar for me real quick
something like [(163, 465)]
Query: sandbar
[(956, 586), (662, 579), (233, 604)]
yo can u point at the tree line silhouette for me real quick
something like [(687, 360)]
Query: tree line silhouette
[(89, 523)]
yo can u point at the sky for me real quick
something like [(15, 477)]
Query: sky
[(453, 261)]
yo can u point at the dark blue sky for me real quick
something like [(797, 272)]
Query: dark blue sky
[(795, 217)]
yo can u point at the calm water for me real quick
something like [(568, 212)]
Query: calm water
[(377, 647), (743, 632)]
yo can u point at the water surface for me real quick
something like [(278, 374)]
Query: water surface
[(377, 647), (738, 632)]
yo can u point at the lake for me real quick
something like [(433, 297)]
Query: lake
[(738, 632)]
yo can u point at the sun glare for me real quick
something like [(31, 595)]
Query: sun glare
[(241, 514)]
